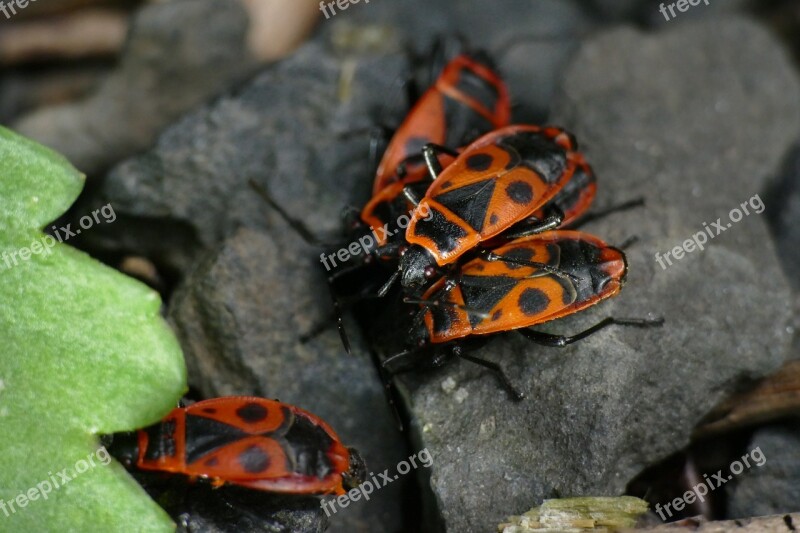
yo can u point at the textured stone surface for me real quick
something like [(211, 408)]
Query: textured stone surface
[(178, 54), (292, 129), (239, 316), (258, 288), (696, 134), (774, 487), (783, 200), (532, 41)]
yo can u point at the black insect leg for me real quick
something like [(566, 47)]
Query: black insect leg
[(547, 339), (297, 225), (431, 153), (552, 221), (378, 141), (411, 195), (515, 393)]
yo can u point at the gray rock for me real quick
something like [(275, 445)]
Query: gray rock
[(292, 129), (532, 41), (783, 202), (774, 487), (654, 120), (178, 55), (620, 10), (696, 134), (241, 310), (651, 14), (239, 316)]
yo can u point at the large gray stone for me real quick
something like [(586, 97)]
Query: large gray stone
[(694, 119), (299, 128), (774, 487), (252, 287), (696, 134), (240, 315), (532, 41), (783, 200)]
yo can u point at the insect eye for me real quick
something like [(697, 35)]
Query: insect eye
[(429, 272)]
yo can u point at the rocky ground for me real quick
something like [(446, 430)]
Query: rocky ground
[(697, 116)]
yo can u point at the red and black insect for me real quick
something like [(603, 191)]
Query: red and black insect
[(524, 283), (467, 100), (245, 441), (498, 181)]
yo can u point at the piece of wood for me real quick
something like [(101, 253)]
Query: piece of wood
[(85, 34), (774, 397), (277, 27)]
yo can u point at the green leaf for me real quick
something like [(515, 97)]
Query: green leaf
[(83, 352)]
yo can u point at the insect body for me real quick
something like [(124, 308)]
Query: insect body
[(389, 205), (524, 283), (498, 181), (468, 99), (491, 295), (246, 441)]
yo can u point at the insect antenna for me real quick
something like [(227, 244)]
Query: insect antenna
[(297, 225), (625, 206), (446, 303), (491, 256)]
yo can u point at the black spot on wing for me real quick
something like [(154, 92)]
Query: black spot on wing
[(520, 254), (470, 202), (497, 314), (533, 301), (483, 293), (479, 162), (209, 410), (493, 219), (441, 231), (212, 462), (443, 319), (205, 435), (254, 460), (519, 192), (538, 152), (252, 413)]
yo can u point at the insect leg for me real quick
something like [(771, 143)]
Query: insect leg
[(431, 153), (548, 339), (552, 221), (515, 393)]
